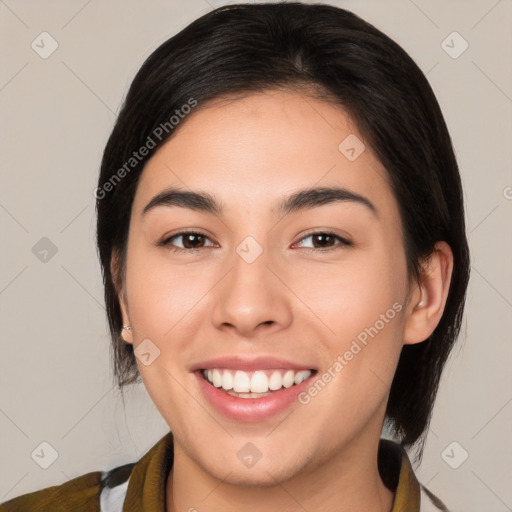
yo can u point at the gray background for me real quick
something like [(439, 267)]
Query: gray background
[(57, 113)]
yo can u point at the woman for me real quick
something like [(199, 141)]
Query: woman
[(281, 233)]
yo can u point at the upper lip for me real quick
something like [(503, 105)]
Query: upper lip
[(248, 364)]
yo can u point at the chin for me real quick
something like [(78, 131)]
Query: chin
[(252, 477)]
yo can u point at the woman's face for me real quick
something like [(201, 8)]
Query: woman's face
[(256, 282)]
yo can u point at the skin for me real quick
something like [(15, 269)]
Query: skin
[(297, 300)]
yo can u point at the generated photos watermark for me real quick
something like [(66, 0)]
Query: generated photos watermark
[(343, 360), (159, 133)]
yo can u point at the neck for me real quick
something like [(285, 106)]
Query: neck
[(343, 480)]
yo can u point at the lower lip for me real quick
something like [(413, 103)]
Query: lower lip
[(251, 409)]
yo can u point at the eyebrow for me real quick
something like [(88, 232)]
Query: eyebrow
[(298, 201)]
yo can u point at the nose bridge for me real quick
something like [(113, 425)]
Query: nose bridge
[(251, 295)]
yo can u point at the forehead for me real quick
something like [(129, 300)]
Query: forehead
[(250, 150)]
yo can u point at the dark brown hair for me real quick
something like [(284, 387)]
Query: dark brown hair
[(253, 47)]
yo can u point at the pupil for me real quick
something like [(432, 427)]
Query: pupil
[(322, 237), (187, 238)]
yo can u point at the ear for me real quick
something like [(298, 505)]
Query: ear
[(428, 298), (121, 295)]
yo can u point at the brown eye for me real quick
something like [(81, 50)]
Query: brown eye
[(191, 240), (326, 240)]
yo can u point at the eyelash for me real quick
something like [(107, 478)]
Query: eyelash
[(166, 242)]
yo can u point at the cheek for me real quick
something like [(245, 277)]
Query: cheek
[(350, 295), (162, 297), (347, 295), (361, 306), (360, 303), (160, 292)]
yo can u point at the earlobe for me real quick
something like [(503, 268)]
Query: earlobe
[(126, 331), (126, 334), (429, 298)]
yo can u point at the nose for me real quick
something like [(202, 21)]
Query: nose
[(252, 298)]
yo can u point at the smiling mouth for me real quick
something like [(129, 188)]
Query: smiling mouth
[(254, 384)]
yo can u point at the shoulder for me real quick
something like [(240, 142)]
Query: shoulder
[(104, 491), (85, 493), (398, 474), (80, 494)]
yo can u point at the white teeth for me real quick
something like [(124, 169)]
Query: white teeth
[(275, 382), (217, 378), (259, 382), (227, 381), (300, 376), (241, 383), (288, 379)]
